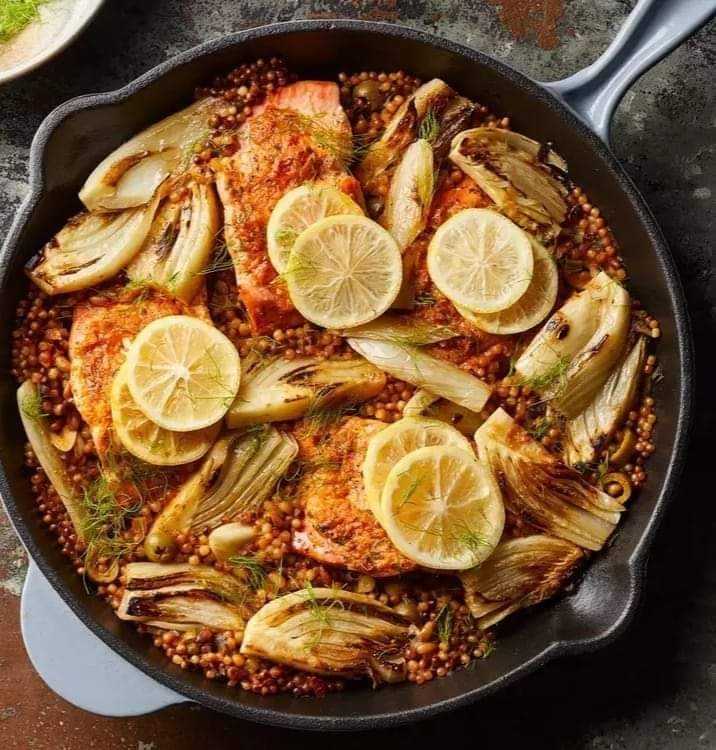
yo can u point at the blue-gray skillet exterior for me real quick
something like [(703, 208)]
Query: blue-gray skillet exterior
[(77, 134)]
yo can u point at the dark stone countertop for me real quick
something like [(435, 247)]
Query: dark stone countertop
[(656, 686)]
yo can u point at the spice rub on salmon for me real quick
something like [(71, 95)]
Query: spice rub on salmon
[(338, 527), (300, 134), (101, 326)]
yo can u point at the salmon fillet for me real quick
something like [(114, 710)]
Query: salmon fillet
[(100, 329), (338, 527), (301, 134)]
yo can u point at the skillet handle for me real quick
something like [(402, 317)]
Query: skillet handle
[(650, 32), (96, 679)]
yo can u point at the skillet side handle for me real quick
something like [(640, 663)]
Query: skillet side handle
[(652, 30), (100, 680)]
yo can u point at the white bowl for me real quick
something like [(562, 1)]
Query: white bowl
[(60, 22)]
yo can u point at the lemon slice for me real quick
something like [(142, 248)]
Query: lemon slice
[(531, 308), (148, 441), (182, 373), (344, 271), (388, 446), (481, 260), (296, 211), (442, 508)]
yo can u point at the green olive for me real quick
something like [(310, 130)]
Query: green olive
[(624, 450), (370, 91), (98, 576), (617, 485)]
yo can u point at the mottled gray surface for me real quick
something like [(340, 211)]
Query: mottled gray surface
[(655, 687)]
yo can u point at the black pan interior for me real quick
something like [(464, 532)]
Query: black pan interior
[(77, 136)]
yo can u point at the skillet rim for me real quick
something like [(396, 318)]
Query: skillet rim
[(637, 561)]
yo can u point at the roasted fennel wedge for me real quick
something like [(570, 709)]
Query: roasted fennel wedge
[(412, 364), (410, 194), (330, 632), (518, 174), (398, 329), (384, 154), (589, 431), (280, 389), (572, 355), (90, 249), (130, 175), (434, 113), (234, 478), (180, 241), (406, 210), (519, 573), (426, 404), (40, 437), (184, 597), (95, 511), (541, 490)]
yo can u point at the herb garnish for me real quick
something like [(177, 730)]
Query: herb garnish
[(106, 521), (221, 260), (471, 540), (226, 397), (555, 373), (300, 466), (602, 468), (337, 142), (415, 482), (540, 427), (322, 414), (321, 613), (253, 569), (15, 15), (444, 622), (143, 287)]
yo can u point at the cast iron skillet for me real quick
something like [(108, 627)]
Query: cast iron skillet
[(78, 134)]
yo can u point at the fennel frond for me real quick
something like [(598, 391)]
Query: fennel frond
[(539, 428), (322, 414), (221, 260), (106, 522), (554, 375), (444, 621), (252, 568)]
